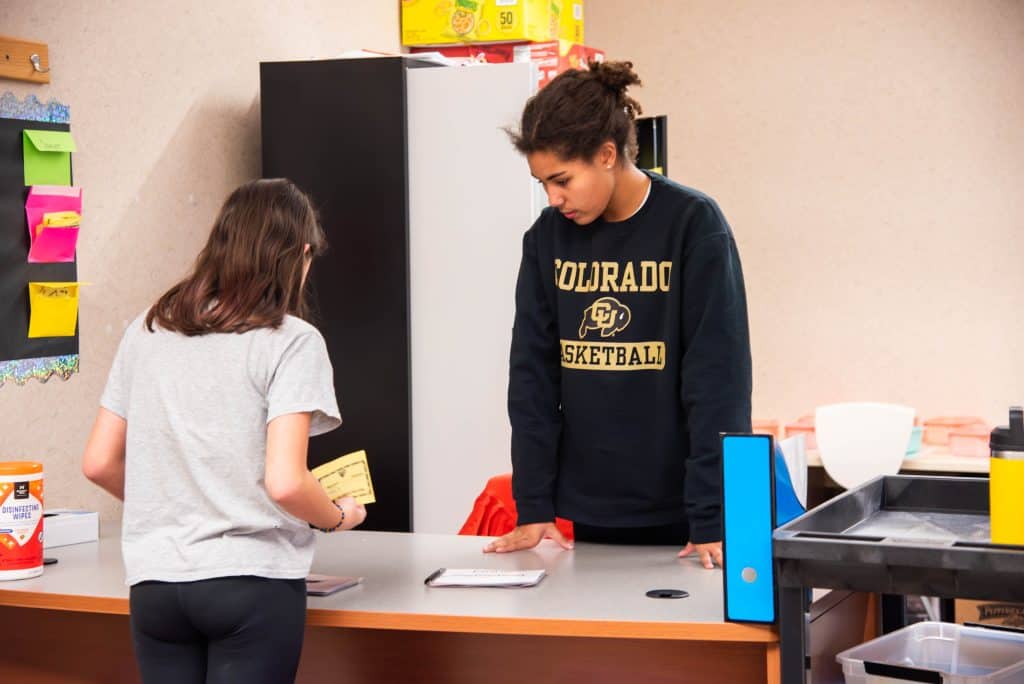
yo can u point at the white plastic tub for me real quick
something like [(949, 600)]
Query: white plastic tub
[(950, 654)]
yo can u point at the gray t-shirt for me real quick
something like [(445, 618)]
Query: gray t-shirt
[(195, 504)]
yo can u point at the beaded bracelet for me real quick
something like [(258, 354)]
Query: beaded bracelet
[(340, 522)]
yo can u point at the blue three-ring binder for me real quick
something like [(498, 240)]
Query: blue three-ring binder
[(748, 514)]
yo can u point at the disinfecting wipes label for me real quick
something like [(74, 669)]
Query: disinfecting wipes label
[(20, 518)]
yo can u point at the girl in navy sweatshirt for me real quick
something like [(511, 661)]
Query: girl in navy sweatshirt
[(630, 349)]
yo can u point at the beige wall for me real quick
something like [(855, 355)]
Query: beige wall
[(165, 111), (870, 157)]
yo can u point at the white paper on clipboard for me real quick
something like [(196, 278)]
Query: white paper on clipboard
[(484, 577)]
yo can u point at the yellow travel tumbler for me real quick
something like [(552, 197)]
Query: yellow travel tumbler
[(1006, 481)]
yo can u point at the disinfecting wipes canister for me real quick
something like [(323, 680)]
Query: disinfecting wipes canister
[(21, 520)]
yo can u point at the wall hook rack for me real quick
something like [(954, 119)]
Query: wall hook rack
[(37, 64), (24, 60)]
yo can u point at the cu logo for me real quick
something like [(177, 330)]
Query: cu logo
[(608, 315)]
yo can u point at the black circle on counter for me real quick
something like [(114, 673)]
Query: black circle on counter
[(667, 593)]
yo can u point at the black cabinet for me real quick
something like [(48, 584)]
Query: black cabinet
[(337, 128)]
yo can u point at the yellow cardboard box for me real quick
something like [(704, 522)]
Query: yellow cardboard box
[(570, 21), (552, 57), (448, 22)]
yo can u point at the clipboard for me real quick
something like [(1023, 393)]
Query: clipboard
[(325, 585), (484, 577)]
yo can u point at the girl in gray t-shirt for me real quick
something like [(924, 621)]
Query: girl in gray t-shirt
[(203, 430)]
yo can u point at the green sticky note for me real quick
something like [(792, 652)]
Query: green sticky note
[(48, 157)]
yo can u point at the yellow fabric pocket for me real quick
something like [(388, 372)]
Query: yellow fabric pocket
[(54, 309)]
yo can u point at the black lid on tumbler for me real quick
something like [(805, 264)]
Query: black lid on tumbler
[(1009, 438)]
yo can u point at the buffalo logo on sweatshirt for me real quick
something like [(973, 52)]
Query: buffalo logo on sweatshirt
[(607, 315)]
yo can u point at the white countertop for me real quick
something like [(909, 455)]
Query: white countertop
[(931, 458), (594, 589)]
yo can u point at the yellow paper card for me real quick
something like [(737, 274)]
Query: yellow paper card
[(54, 309), (347, 475), (61, 219)]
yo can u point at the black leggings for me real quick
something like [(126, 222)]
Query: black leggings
[(229, 629)]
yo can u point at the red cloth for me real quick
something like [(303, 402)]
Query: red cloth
[(494, 512)]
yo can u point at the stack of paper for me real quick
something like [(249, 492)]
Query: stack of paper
[(325, 585), (64, 526)]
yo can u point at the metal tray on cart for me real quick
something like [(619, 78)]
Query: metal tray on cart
[(902, 535)]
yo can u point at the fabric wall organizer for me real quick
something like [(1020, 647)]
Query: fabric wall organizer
[(37, 260)]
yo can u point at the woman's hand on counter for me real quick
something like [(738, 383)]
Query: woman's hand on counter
[(527, 537), (710, 554)]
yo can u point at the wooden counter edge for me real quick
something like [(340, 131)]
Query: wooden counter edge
[(70, 602), (687, 631), (320, 617)]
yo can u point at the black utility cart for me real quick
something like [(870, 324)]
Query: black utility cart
[(895, 535)]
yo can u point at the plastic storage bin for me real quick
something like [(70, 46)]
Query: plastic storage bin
[(970, 442), (936, 430), (951, 654), (765, 426), (914, 446), (804, 425)]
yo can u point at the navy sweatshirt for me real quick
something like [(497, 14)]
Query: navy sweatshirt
[(630, 354)]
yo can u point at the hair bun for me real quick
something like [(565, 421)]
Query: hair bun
[(580, 110), (616, 76)]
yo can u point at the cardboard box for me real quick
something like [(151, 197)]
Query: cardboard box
[(551, 58), (990, 612), (451, 22), (570, 21), (555, 57), (63, 527)]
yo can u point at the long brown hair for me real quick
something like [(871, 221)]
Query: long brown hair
[(580, 110), (250, 273)]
